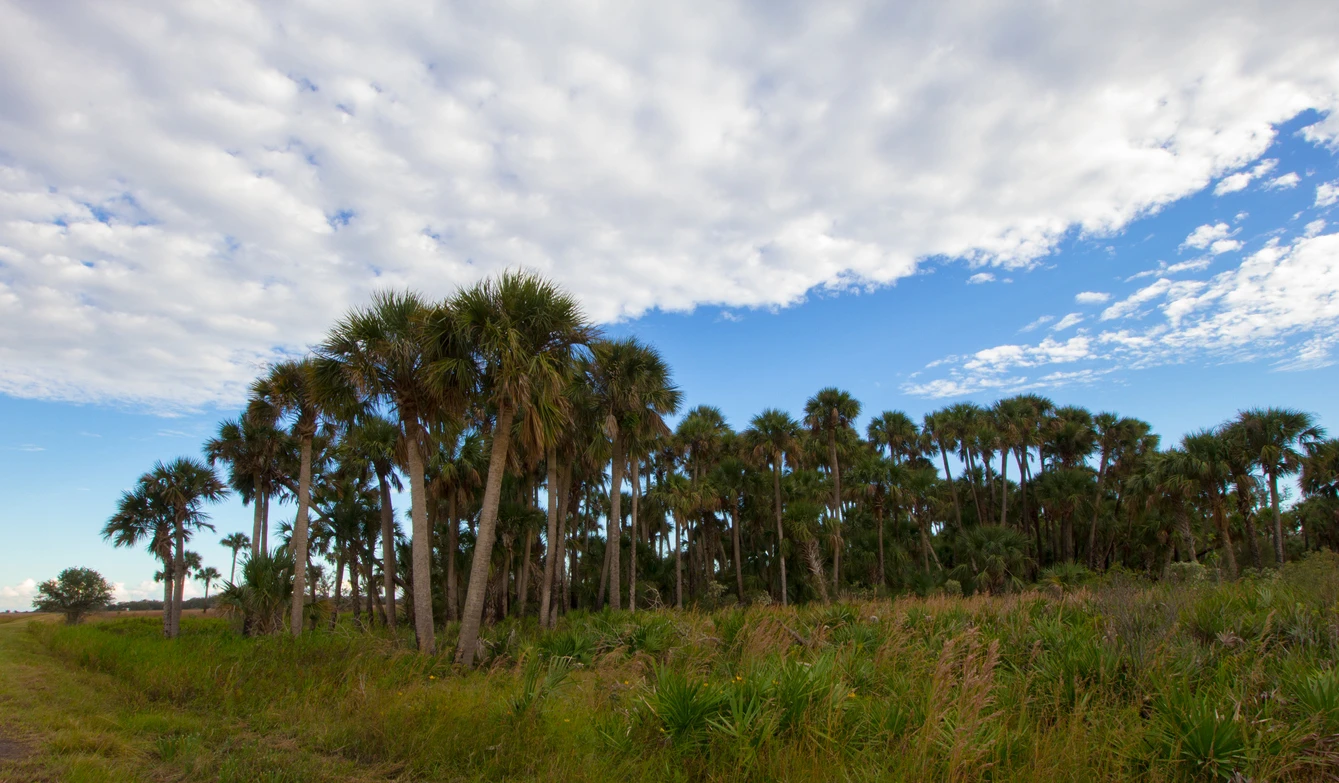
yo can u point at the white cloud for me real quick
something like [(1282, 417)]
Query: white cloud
[(1284, 182), (1280, 304), (190, 190), (1233, 183), (19, 596), (1041, 320), (1315, 227), (1327, 193), (981, 277), (1072, 319), (1193, 265), (1207, 234), (1091, 297), (1221, 246)]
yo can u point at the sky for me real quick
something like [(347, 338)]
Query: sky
[(1132, 207)]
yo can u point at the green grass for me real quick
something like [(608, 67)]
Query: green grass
[(1116, 680)]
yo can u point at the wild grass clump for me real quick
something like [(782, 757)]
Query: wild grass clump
[(1109, 678)]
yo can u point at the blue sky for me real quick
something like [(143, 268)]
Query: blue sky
[(919, 207)]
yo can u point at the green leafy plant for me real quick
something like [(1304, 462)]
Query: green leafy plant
[(75, 593)]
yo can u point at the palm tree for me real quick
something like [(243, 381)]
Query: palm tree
[(377, 440), (1275, 438), (1209, 467), (236, 542), (290, 389), (771, 436), (632, 388), (828, 413), (381, 352), (184, 485), (208, 575), (252, 450), (143, 517), (522, 330), (944, 432)]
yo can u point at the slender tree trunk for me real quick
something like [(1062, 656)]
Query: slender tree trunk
[(816, 568), (178, 575), (634, 537), (837, 513), (232, 577), (353, 589), (614, 528), (168, 582), (678, 562), (452, 544), (780, 535), (878, 521), (551, 537), (258, 520), (1278, 517), (1004, 487), (1220, 516), (300, 537), (387, 544), (976, 495), (1248, 519), (313, 597), (952, 487), (265, 524), (1097, 508), (523, 577), (483, 546), (339, 590), (738, 554), (421, 537)]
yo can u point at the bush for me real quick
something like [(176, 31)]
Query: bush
[(75, 592)]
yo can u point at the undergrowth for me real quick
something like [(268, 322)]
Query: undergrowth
[(1106, 679)]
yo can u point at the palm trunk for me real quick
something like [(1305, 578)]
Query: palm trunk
[(387, 544), (523, 575), (258, 520), (738, 555), (837, 513), (353, 589), (167, 597), (232, 576), (614, 528), (421, 540), (952, 487), (1004, 487), (1278, 517), (976, 495), (816, 568), (1248, 518), (1097, 507), (206, 609), (632, 553), (1183, 523), (551, 539), (780, 536), (678, 562), (178, 576), (265, 524), (878, 521), (452, 544), (1220, 516), (300, 537), (483, 547), (339, 589)]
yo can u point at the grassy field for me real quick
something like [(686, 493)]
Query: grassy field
[(1116, 680)]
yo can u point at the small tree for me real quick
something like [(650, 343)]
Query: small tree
[(74, 593)]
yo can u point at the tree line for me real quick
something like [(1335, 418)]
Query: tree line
[(544, 477)]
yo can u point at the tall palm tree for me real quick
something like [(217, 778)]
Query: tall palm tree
[(830, 412), (1110, 431), (252, 449), (943, 430), (291, 390), (632, 387), (236, 542), (771, 436), (1209, 467), (522, 330), (184, 485), (1276, 437), (208, 575), (1241, 464), (381, 352), (142, 517)]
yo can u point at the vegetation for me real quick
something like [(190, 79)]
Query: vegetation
[(1120, 678), (74, 593), (1024, 590)]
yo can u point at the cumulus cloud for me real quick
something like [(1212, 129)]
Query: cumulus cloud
[(1284, 182), (1327, 194), (1206, 235), (1239, 181), (1193, 265), (18, 596), (1091, 297), (190, 190), (1072, 319), (981, 277), (1280, 304)]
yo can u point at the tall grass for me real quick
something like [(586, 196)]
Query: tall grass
[(1114, 679)]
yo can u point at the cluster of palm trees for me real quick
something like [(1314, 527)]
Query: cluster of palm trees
[(543, 477)]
